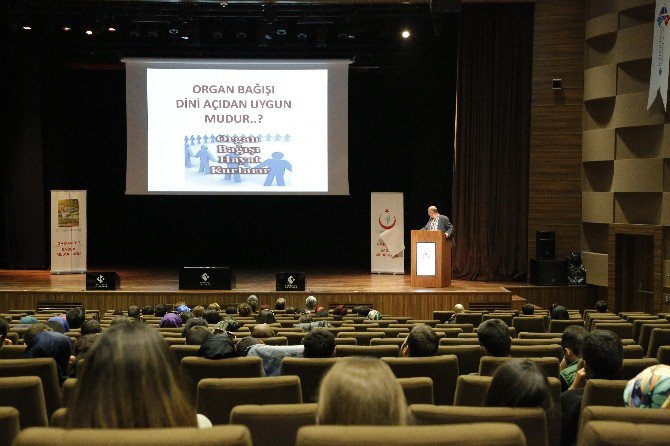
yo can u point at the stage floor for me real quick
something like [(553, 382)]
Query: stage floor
[(154, 280)]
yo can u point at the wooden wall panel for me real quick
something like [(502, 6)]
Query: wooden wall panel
[(556, 124)]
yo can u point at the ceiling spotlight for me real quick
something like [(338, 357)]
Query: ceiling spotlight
[(173, 31), (111, 29), (67, 28), (405, 34), (302, 36), (223, 3), (89, 32), (27, 28), (184, 37), (281, 32)]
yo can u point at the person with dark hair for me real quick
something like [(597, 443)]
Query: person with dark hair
[(217, 346), (231, 310), (363, 311), (493, 335), (252, 301), (212, 317), (559, 313), (50, 344), (120, 320), (602, 358), (528, 309), (319, 343), (261, 331), (34, 330), (244, 310), (265, 317), (185, 316), (519, 383), (91, 326), (4, 329), (193, 322), (601, 306), (75, 317), (243, 345), (197, 334), (117, 313), (124, 359), (134, 313), (421, 341), (280, 303), (148, 310), (81, 349), (161, 310), (571, 341)]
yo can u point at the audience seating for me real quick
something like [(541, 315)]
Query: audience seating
[(430, 322), (25, 394), (530, 324), (443, 370), (622, 414), (469, 318), (385, 341), (293, 338), (465, 328), (659, 337), (633, 352), (631, 367), (450, 332), (663, 356), (471, 390), (12, 351), (459, 341), (59, 418), (467, 335), (601, 433), (623, 329), (527, 335), (216, 436), (9, 425), (274, 424), (489, 364), (197, 368), (217, 397), (603, 392), (345, 341), (645, 334), (468, 356), (362, 337), (537, 351), (182, 351), (476, 434), (442, 316), (531, 420), (417, 390), (559, 326), (638, 323), (541, 341), (361, 326), (375, 351), (506, 318), (68, 390), (45, 369), (392, 332), (310, 371)]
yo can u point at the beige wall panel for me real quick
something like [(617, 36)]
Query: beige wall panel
[(601, 25), (631, 111), (638, 175), (601, 51), (625, 5), (597, 8), (596, 268), (594, 237), (597, 207), (598, 114), (633, 77), (638, 208), (600, 82), (635, 43), (598, 145), (643, 142), (597, 176)]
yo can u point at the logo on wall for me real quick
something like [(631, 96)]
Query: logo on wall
[(658, 79), (205, 277), (663, 17), (385, 220), (290, 280)]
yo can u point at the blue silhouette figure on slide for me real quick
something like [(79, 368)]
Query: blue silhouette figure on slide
[(205, 158), (234, 162), (188, 154), (277, 168)]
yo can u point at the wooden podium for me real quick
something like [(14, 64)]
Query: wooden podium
[(431, 259)]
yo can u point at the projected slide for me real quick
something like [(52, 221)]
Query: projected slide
[(237, 130)]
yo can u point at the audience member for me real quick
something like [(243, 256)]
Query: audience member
[(217, 346), (181, 307), (198, 311), (374, 315), (361, 391), (185, 316), (91, 326), (494, 338), (84, 344), (280, 304), (148, 310), (32, 332), (559, 313), (310, 303), (363, 311), (519, 383), (261, 331), (50, 344), (58, 324), (602, 358), (170, 320), (601, 306), (528, 310), (135, 313), (243, 345), (272, 355), (231, 310), (212, 316), (161, 310), (650, 389), (321, 312), (214, 306), (197, 334), (75, 317), (571, 341), (265, 317), (421, 341), (4, 329), (120, 320), (117, 313), (319, 343), (252, 301), (244, 310), (122, 361), (458, 308), (28, 320), (193, 322), (339, 312)]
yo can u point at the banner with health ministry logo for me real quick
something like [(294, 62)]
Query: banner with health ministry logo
[(387, 225), (660, 55), (68, 231)]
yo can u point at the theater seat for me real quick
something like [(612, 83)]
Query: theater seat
[(559, 326), (537, 351), (469, 318), (531, 420), (489, 364), (417, 390), (632, 352), (468, 356), (217, 396), (601, 433), (362, 337), (476, 434), (663, 356), (471, 390), (623, 329), (375, 351), (25, 394), (603, 392), (215, 436), (45, 369), (624, 414), (68, 390), (197, 368), (659, 337), (310, 371), (529, 324), (12, 351), (182, 351), (631, 367), (443, 370), (274, 424), (9, 425)]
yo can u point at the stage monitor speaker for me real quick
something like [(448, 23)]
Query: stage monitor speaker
[(445, 6), (206, 278), (548, 272), (290, 281), (545, 245), (104, 281)]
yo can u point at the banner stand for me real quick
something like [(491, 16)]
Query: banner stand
[(387, 233), (68, 231)]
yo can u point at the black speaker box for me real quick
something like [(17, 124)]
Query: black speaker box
[(548, 272), (445, 6), (290, 281), (206, 278), (545, 245), (102, 281)]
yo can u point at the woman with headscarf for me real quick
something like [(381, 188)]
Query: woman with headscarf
[(51, 344)]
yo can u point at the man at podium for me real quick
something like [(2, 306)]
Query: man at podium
[(439, 222)]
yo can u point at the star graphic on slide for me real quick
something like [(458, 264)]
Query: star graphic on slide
[(387, 211)]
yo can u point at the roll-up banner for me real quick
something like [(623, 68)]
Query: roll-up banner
[(387, 228), (68, 231)]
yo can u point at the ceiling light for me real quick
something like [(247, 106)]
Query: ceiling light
[(405, 34), (27, 28), (67, 28), (89, 32), (111, 29)]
